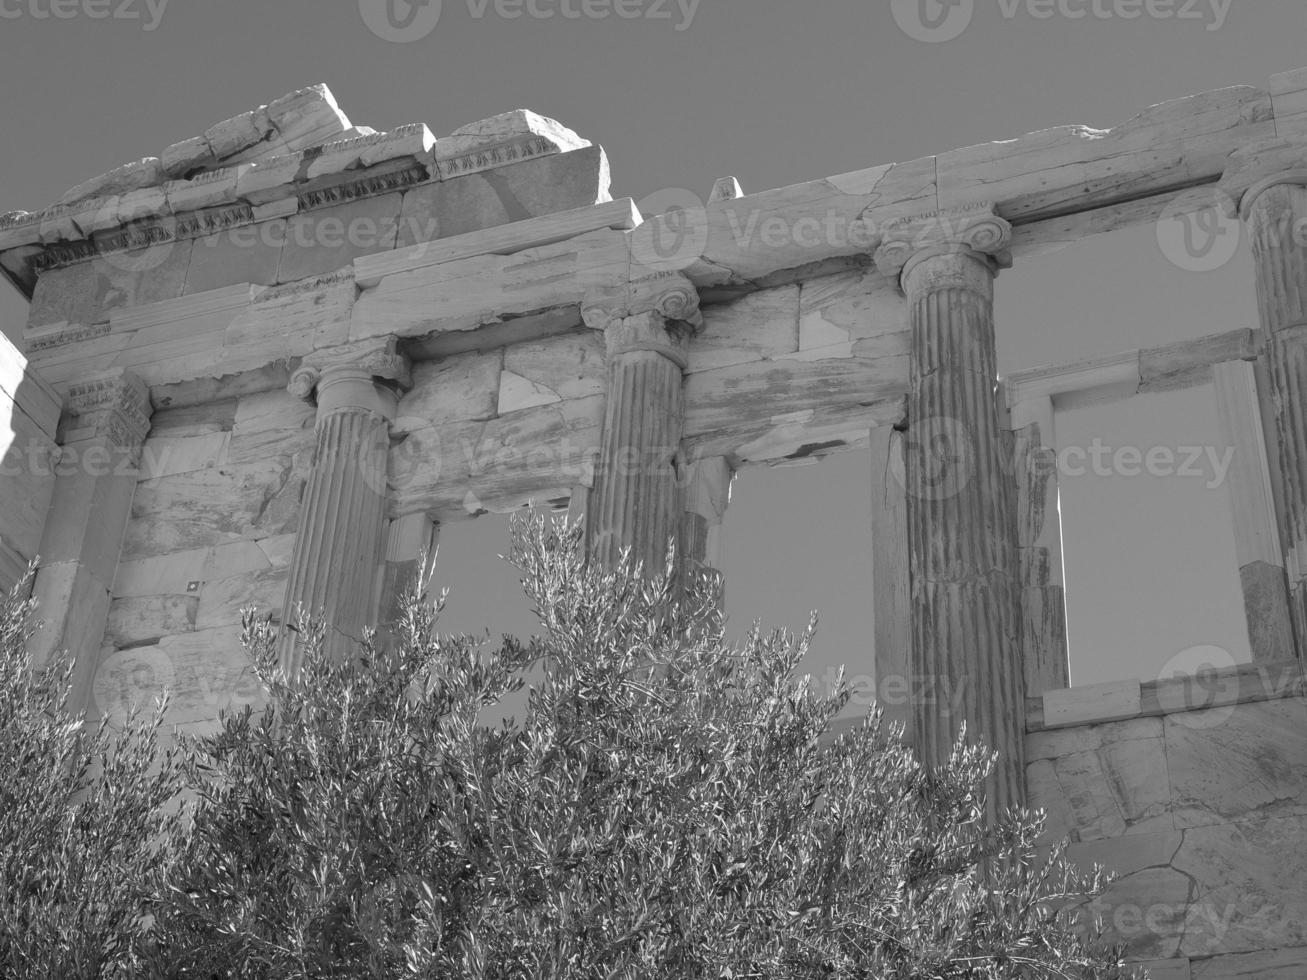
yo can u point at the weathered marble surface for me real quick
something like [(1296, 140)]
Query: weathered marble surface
[(1203, 814), (515, 192), (1274, 964), (1186, 770), (1101, 781)]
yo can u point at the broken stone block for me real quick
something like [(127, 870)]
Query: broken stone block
[(238, 133), (503, 139), (271, 179), (413, 139), (19, 228), (205, 190), (184, 159), (307, 117), (365, 151), (128, 177), (528, 189)]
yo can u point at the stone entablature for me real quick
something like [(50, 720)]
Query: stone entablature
[(296, 167)]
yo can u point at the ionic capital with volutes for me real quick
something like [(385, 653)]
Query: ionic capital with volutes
[(368, 376), (1261, 166), (658, 313), (968, 245)]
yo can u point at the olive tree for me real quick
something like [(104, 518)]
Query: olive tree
[(667, 805), (88, 815)]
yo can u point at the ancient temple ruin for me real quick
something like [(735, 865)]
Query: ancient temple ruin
[(267, 366)]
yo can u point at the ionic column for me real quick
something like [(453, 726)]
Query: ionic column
[(104, 425), (336, 567), (966, 648), (1274, 211), (636, 499)]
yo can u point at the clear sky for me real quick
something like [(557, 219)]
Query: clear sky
[(773, 92)]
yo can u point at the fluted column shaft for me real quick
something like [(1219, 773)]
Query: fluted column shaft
[(1274, 215), (961, 521), (966, 652), (339, 549), (636, 500)]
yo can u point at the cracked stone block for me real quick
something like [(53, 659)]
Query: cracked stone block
[(1248, 881), (142, 619), (1101, 781), (214, 506), (453, 389), (1254, 762), (1271, 964)]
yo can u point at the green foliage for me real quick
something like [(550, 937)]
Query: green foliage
[(85, 816), (667, 807)]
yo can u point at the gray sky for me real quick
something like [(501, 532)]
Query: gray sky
[(774, 92)]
